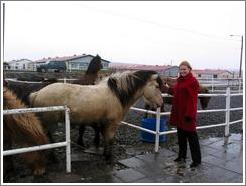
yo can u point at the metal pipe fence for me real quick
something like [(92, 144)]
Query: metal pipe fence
[(66, 143), (214, 83), (158, 114)]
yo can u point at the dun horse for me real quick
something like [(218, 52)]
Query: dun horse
[(105, 103), (23, 130)]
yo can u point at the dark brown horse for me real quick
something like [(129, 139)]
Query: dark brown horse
[(91, 74), (22, 130)]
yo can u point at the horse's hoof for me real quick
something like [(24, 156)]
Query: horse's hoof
[(108, 158), (80, 143)]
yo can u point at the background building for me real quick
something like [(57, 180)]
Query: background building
[(163, 70), (22, 64), (75, 62), (209, 74)]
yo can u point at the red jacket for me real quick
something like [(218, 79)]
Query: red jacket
[(184, 105)]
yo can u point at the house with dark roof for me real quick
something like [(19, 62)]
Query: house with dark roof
[(75, 62)]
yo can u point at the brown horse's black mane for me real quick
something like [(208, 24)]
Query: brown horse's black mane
[(91, 73), (134, 82), (95, 65)]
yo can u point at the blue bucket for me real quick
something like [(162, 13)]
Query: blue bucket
[(150, 123)]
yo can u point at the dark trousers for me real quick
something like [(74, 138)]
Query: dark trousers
[(193, 143)]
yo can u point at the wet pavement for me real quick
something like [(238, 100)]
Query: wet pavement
[(220, 164)]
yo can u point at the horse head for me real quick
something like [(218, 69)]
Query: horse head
[(95, 65), (152, 91)]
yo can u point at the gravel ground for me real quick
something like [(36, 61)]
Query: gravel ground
[(127, 142)]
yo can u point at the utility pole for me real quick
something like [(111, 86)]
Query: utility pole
[(241, 54), (3, 27)]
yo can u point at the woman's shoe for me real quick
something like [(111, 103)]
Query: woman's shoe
[(194, 164), (179, 159)]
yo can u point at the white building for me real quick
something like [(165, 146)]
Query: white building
[(22, 64), (209, 74)]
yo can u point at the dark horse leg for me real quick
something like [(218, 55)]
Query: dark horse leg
[(108, 132), (97, 130), (51, 153), (80, 140), (8, 166)]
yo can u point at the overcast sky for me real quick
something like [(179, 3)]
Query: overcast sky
[(144, 32)]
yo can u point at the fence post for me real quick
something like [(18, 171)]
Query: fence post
[(227, 116), (212, 84), (65, 80), (68, 140), (158, 119)]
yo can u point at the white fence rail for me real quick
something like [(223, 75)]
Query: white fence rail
[(214, 83), (66, 143), (211, 83), (227, 123)]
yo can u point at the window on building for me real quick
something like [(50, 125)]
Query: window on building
[(215, 75)]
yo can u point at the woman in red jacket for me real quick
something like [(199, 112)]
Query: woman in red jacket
[(183, 113)]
